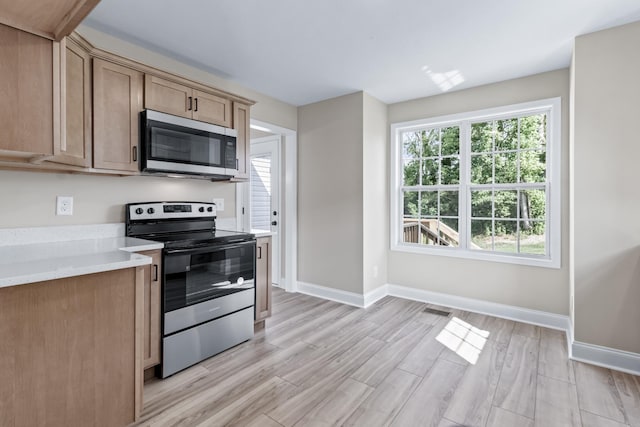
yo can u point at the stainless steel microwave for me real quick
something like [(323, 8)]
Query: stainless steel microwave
[(172, 145)]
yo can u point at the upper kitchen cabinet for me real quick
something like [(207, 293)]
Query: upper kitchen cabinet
[(167, 97), (117, 103), (211, 108), (184, 101), (45, 107), (52, 19), (27, 77), (74, 147), (68, 106), (241, 123)]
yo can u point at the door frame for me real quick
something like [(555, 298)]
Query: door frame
[(276, 240), (289, 188)]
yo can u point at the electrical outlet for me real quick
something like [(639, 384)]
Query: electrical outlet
[(64, 205), (219, 204)]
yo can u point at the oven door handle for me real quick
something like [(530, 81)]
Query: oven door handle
[(212, 248)]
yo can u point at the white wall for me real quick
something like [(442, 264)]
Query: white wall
[(530, 287), (31, 197), (330, 193), (375, 197), (606, 152)]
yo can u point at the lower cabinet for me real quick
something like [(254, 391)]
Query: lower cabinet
[(152, 311), (70, 351), (263, 280)]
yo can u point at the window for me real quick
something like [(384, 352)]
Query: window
[(483, 184)]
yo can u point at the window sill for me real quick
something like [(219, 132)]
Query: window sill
[(478, 255)]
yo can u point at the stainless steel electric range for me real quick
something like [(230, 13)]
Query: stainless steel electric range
[(208, 290)]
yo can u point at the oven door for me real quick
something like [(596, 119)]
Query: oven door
[(192, 276), (177, 145)]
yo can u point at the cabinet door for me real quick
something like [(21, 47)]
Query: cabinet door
[(263, 278), (74, 145), (167, 97), (211, 108), (26, 92), (241, 122), (117, 102), (152, 300)]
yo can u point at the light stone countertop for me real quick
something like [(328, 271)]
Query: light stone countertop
[(36, 262), (261, 233)]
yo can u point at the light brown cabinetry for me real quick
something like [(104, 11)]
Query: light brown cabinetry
[(26, 94), (74, 146), (117, 102), (71, 107), (210, 108), (241, 123), (53, 19), (180, 100), (263, 280), (70, 353), (152, 311)]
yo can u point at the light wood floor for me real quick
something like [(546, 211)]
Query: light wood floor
[(320, 363)]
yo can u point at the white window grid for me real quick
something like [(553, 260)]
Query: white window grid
[(551, 258)]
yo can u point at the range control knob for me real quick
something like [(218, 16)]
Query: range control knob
[(150, 211), (201, 209), (209, 209), (139, 211)]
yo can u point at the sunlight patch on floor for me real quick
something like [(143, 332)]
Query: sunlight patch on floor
[(464, 339)]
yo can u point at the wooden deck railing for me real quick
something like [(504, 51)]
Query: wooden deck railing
[(426, 231)]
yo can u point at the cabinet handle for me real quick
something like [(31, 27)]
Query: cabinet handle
[(259, 252), (236, 164), (135, 153), (190, 104), (196, 99), (155, 272)]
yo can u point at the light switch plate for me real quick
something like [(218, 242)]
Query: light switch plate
[(64, 205), (219, 204)]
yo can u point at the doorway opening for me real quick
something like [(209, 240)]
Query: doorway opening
[(268, 201), (264, 194)]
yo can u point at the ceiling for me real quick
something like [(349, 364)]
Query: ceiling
[(305, 51)]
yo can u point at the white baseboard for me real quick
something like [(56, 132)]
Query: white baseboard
[(606, 357), (534, 317), (377, 294), (345, 297), (588, 353)]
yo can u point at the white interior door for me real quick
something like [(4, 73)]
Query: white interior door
[(264, 194)]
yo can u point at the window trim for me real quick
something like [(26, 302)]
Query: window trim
[(553, 184)]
